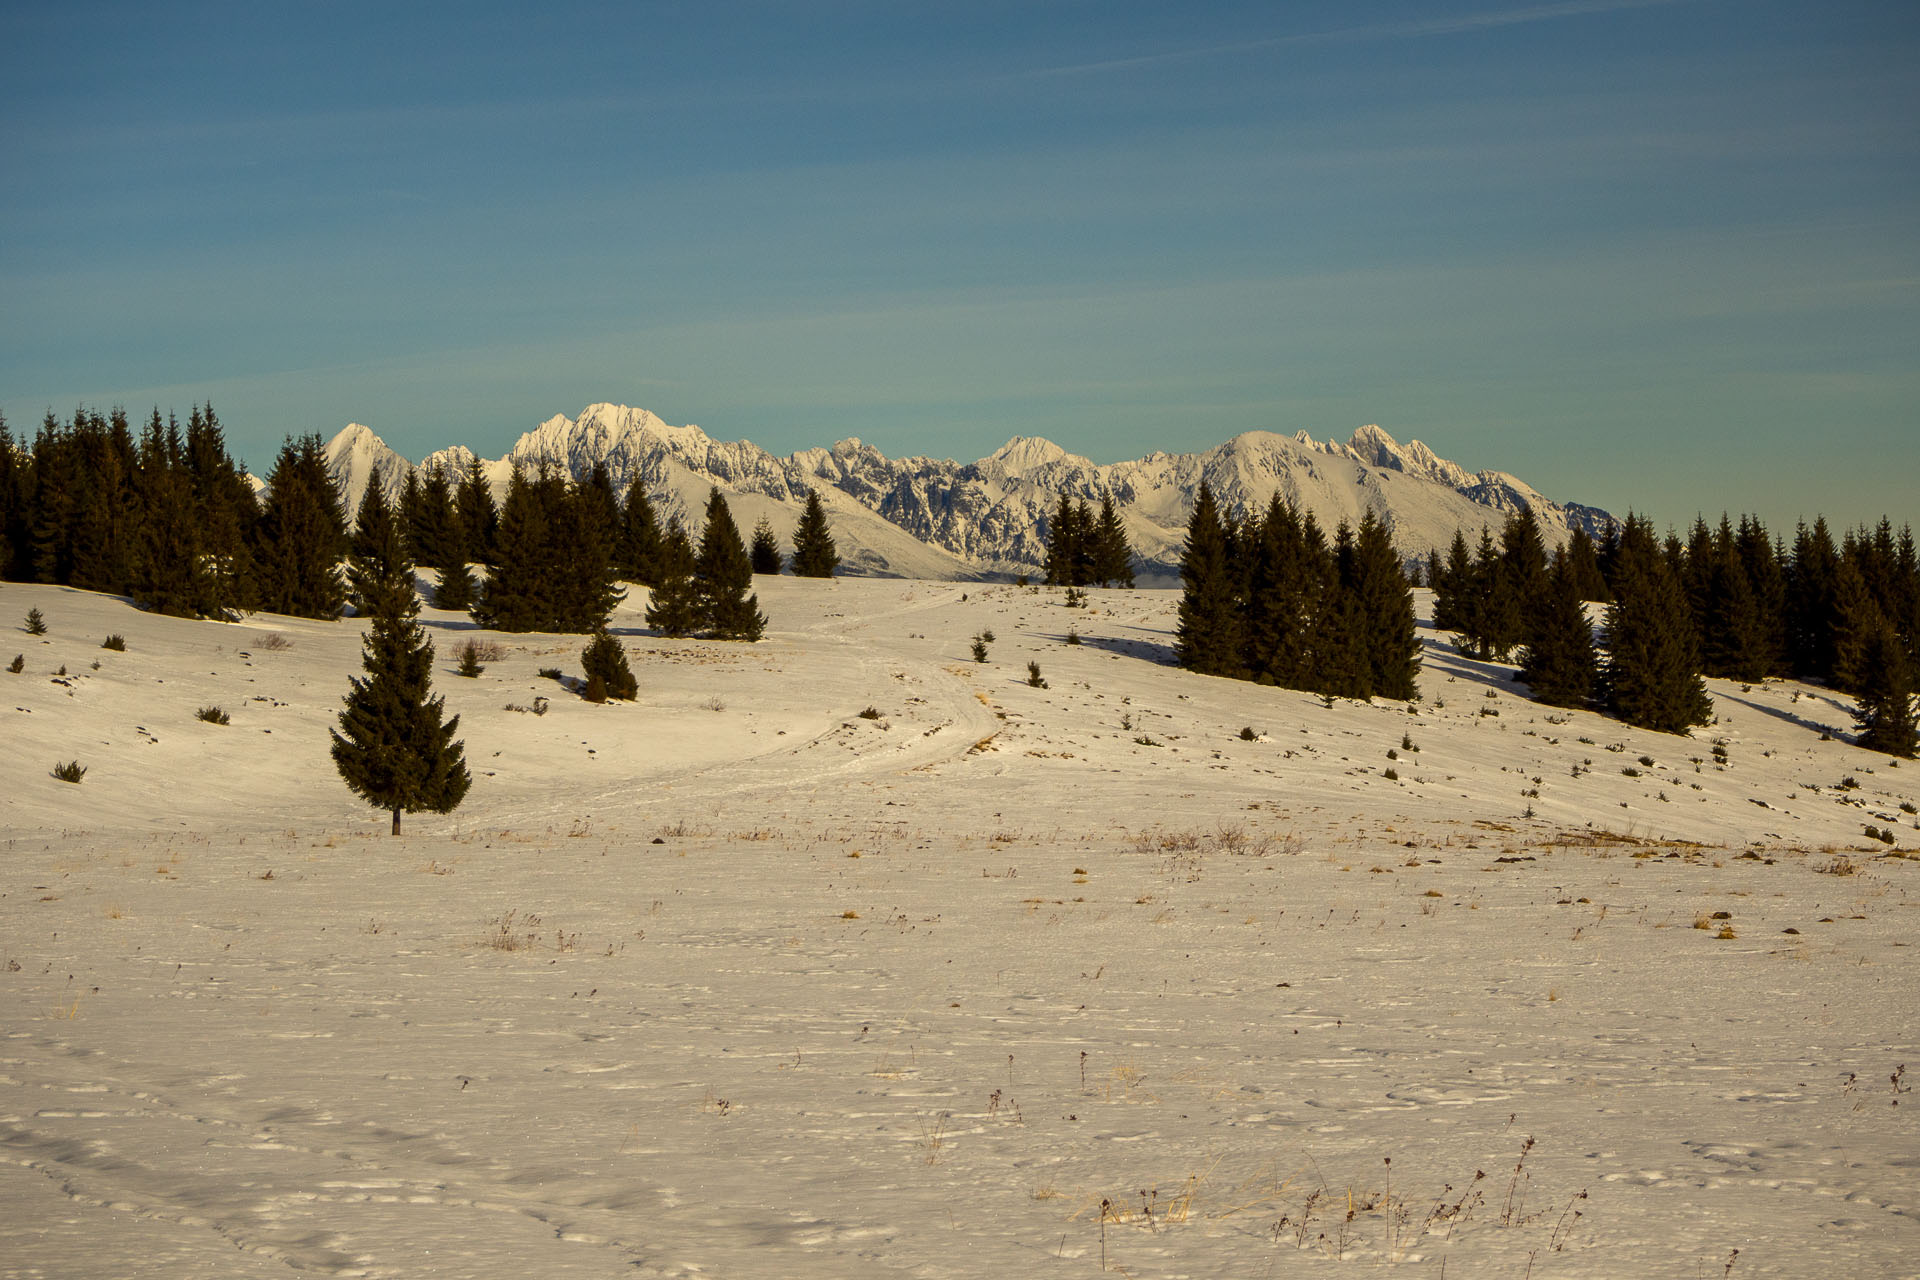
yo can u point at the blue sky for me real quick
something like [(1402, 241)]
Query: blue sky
[(1659, 255)]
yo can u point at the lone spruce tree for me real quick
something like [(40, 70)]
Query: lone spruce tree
[(814, 555), (393, 749), (765, 551), (605, 665), (723, 578)]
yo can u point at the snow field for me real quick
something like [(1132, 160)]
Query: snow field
[(984, 986)]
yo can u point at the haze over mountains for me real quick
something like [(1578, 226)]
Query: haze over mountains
[(937, 518)]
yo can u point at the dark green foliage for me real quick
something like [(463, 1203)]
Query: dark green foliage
[(1034, 677), (1207, 637), (723, 579), (979, 648), (302, 535), (637, 551), (213, 715), (1734, 640), (814, 555), (379, 572), (1376, 584), (764, 553), (393, 748), (18, 664), (1856, 620), (1112, 558), (1559, 664), (72, 771), (1887, 714), (1811, 602), (605, 664), (116, 642), (436, 535), (674, 607), (1583, 564), (1651, 675), (36, 623), (455, 589), (478, 518), (469, 665), (1069, 551), (1452, 585), (554, 562)]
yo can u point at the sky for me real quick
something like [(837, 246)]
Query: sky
[(1659, 255)]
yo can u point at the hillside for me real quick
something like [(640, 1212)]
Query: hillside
[(927, 518), (738, 980)]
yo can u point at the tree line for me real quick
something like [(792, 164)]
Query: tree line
[(168, 518)]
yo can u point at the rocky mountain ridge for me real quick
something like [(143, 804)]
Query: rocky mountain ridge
[(925, 517)]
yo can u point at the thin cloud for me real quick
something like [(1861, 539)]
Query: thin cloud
[(1376, 31)]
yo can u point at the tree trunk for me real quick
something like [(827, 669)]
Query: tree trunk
[(396, 822)]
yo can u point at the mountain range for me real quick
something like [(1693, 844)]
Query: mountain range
[(936, 518)]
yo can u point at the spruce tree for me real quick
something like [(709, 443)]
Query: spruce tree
[(1207, 637), (1583, 564), (168, 577), (1651, 677), (434, 531), (521, 593), (673, 606), (723, 578), (814, 555), (604, 662), (585, 523), (1277, 619), (1857, 618), (378, 562), (1112, 554), (1384, 603), (1559, 665), (479, 518), (764, 554), (1063, 544), (229, 515), (302, 535), (393, 748), (1886, 714), (636, 552), (1452, 584), (455, 590)]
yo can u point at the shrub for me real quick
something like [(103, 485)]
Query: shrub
[(1906, 806), (72, 771), (1392, 754), (1631, 772), (551, 673), (1647, 761), (1034, 677), (989, 637), (1391, 775), (213, 715), (1849, 783), (36, 623), (18, 664), (980, 648), (115, 642), (470, 665), (1073, 637), (1248, 734), (605, 660), (871, 713), (274, 642)]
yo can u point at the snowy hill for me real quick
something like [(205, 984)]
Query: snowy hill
[(921, 517), (1001, 980)]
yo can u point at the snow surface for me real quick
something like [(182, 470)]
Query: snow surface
[(734, 981)]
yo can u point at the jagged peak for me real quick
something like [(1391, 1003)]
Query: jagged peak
[(1024, 453)]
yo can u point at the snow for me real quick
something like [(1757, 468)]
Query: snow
[(735, 981)]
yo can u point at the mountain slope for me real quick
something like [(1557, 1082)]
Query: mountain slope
[(924, 517)]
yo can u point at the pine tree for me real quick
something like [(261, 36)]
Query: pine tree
[(1651, 675), (1112, 554), (1283, 596), (392, 748), (1583, 564), (1063, 544), (1887, 714), (1207, 637), (455, 590), (1811, 603), (673, 606), (1734, 644), (521, 593), (479, 518), (1384, 603), (581, 557), (637, 550), (723, 578), (229, 516), (433, 527), (814, 555), (1856, 619), (302, 535), (167, 574), (1452, 585), (764, 554), (378, 564), (1559, 665), (604, 663)]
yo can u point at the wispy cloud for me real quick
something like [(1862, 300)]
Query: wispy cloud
[(1463, 23)]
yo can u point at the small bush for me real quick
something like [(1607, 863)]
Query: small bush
[(72, 771), (115, 642), (1848, 783), (871, 713), (1076, 598), (1406, 742), (213, 715), (989, 637), (1248, 734), (1034, 677), (470, 665), (1073, 637), (1392, 754), (274, 642), (1647, 761), (1906, 806), (551, 673), (1884, 836), (1391, 775), (36, 623), (980, 648), (18, 664), (1631, 772)]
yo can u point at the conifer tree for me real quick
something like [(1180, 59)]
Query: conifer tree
[(637, 550), (764, 554), (302, 535), (1886, 714), (1112, 554), (520, 591), (676, 550), (1064, 539), (378, 562), (1559, 665), (393, 748), (1811, 603), (723, 578), (1384, 604), (1651, 674), (1452, 586), (479, 518), (228, 514), (433, 528), (604, 662), (1734, 643), (167, 575), (1857, 618), (814, 555), (1207, 637), (13, 501), (586, 523), (455, 589), (1583, 564), (673, 606), (1283, 597)]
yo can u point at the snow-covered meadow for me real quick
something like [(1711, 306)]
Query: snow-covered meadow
[(1001, 981)]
